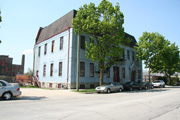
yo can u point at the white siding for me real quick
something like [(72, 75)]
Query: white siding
[(55, 57)]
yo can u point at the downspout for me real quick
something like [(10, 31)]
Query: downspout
[(68, 57), (34, 60)]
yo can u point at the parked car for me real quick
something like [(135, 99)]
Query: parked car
[(147, 85), (7, 91), (109, 87), (159, 83), (178, 83), (132, 85)]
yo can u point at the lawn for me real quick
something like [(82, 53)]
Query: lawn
[(85, 91)]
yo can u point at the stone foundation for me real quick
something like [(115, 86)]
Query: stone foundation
[(58, 85)]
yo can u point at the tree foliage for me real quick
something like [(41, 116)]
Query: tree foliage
[(158, 54), (0, 21), (29, 72), (0, 17), (104, 24), (169, 61)]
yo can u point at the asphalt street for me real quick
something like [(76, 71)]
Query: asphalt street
[(155, 104)]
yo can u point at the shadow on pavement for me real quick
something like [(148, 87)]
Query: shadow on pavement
[(149, 90), (29, 98), (25, 98), (172, 86), (141, 91)]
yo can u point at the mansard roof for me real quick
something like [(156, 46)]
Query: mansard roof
[(63, 24)]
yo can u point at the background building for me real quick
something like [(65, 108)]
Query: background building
[(9, 69)]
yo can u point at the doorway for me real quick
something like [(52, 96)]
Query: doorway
[(132, 76), (115, 74)]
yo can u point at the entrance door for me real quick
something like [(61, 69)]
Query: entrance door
[(133, 76), (116, 74)]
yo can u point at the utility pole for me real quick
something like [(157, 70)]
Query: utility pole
[(78, 54)]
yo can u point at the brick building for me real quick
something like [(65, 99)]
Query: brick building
[(9, 69)]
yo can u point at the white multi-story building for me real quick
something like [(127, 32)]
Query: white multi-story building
[(55, 58)]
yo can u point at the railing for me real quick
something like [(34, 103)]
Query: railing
[(35, 81)]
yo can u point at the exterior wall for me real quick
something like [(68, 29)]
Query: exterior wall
[(22, 78), (9, 69), (57, 81), (5, 65), (52, 58), (87, 81)]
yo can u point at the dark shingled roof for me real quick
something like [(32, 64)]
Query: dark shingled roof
[(56, 27), (62, 24), (133, 40)]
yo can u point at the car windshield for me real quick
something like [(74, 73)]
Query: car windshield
[(105, 84), (128, 82), (144, 83), (156, 81)]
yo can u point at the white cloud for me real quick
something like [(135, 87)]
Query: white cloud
[(28, 51)]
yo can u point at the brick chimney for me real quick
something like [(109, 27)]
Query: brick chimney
[(22, 63)]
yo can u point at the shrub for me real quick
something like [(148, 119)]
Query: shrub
[(31, 86)]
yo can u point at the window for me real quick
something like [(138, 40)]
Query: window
[(133, 55), (45, 49), (123, 56), (91, 69), (139, 74), (13, 67), (60, 68), (39, 51), (3, 63), (128, 54), (108, 74), (82, 42), (44, 70), (50, 85), (52, 49), (82, 69), (6, 69), (61, 43), (123, 72), (51, 71), (18, 68), (2, 83)]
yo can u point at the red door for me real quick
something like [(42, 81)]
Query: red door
[(115, 74), (133, 76)]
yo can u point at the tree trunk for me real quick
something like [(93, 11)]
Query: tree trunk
[(169, 77), (101, 76), (149, 73), (101, 72)]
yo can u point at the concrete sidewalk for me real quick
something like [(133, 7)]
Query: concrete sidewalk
[(45, 93)]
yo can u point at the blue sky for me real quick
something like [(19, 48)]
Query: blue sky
[(21, 20)]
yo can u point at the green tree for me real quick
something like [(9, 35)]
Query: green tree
[(29, 74), (168, 62), (149, 48), (0, 17), (104, 24), (158, 54), (0, 21)]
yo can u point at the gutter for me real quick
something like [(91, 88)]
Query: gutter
[(68, 57), (53, 35)]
